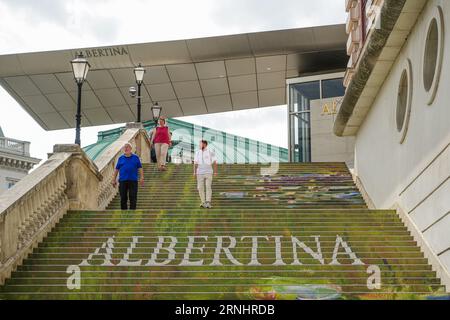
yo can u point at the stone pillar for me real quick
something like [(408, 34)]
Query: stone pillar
[(26, 148), (141, 141), (83, 178), (9, 233), (144, 146)]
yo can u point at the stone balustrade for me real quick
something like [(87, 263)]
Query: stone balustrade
[(138, 138), (29, 211), (15, 146), (68, 180)]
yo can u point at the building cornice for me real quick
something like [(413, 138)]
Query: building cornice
[(17, 162)]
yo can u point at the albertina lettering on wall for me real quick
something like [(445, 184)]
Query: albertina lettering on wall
[(105, 52)]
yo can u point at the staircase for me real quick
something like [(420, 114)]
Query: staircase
[(304, 233)]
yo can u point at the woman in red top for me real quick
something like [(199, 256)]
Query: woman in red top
[(161, 140)]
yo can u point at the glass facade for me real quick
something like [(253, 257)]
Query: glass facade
[(301, 95)]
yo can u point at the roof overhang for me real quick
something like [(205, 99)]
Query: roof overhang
[(381, 50), (186, 77)]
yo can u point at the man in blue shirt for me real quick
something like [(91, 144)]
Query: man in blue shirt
[(128, 166)]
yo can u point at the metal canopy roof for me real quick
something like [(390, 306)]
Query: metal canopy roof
[(186, 77)]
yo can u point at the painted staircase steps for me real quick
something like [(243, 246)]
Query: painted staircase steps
[(311, 186), (376, 237)]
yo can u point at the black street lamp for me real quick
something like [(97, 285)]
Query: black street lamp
[(80, 68), (139, 72), (156, 112)]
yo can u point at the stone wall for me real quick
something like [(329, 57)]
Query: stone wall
[(413, 175), (68, 180), (325, 145)]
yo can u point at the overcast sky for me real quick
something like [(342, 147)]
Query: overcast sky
[(41, 25)]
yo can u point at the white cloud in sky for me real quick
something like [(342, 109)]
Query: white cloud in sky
[(30, 25)]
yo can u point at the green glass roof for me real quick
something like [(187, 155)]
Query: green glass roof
[(229, 148), (96, 149)]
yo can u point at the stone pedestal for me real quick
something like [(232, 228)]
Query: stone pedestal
[(82, 176), (141, 141)]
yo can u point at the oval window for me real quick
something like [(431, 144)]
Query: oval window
[(431, 55), (404, 97), (432, 58), (402, 100)]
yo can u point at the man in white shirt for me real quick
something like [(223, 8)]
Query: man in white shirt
[(203, 169)]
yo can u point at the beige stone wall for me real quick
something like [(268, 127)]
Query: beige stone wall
[(143, 147), (325, 145), (83, 183)]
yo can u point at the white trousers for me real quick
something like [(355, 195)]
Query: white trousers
[(204, 182), (161, 153)]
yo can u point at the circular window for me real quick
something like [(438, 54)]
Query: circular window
[(432, 58), (404, 97)]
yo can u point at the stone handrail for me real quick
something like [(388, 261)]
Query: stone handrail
[(68, 180), (138, 138), (29, 211)]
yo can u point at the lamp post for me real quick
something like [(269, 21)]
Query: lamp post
[(139, 72), (156, 112), (80, 68)]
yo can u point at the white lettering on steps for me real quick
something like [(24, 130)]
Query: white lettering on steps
[(278, 257), (254, 261), (159, 247), (108, 246), (348, 251), (220, 247), (189, 248), (166, 251), (126, 257), (316, 255)]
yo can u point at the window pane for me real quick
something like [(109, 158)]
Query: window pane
[(301, 95), (310, 90), (333, 88)]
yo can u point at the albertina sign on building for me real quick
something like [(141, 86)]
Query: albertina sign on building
[(105, 52)]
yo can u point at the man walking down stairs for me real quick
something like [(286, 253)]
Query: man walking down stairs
[(203, 171), (129, 168), (303, 233)]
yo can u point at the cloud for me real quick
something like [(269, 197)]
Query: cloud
[(78, 19), (280, 14), (104, 28), (37, 11), (41, 25)]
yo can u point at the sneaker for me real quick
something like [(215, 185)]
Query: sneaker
[(203, 205), (208, 205)]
